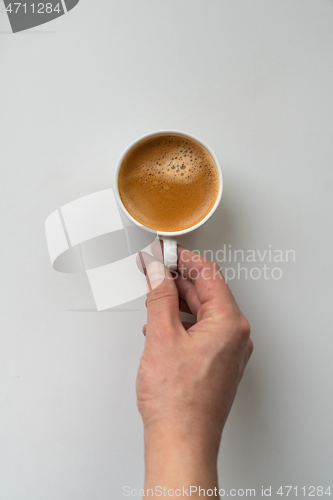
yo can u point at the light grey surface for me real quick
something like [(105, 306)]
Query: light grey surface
[(254, 80)]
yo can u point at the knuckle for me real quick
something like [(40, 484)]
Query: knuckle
[(244, 327), (215, 267), (210, 266), (250, 348), (221, 313), (160, 335), (159, 293)]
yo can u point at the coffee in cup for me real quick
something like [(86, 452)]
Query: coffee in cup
[(168, 182)]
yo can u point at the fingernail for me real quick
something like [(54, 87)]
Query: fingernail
[(155, 273)]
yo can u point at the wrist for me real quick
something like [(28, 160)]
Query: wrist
[(177, 457)]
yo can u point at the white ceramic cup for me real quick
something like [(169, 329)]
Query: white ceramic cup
[(169, 238)]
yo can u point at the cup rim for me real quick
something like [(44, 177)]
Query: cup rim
[(168, 132)]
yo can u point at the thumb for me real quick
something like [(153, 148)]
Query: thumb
[(162, 301)]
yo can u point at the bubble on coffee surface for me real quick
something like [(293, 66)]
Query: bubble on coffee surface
[(174, 166)]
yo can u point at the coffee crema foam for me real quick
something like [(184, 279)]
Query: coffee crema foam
[(168, 183)]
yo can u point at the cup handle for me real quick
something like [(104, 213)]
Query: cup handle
[(170, 253)]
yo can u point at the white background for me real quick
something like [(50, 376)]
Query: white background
[(253, 79)]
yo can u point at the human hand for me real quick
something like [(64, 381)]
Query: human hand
[(188, 374)]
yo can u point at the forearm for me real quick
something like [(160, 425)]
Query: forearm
[(177, 460)]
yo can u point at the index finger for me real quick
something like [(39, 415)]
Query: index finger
[(205, 275)]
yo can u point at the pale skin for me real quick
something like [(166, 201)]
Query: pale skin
[(189, 373)]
